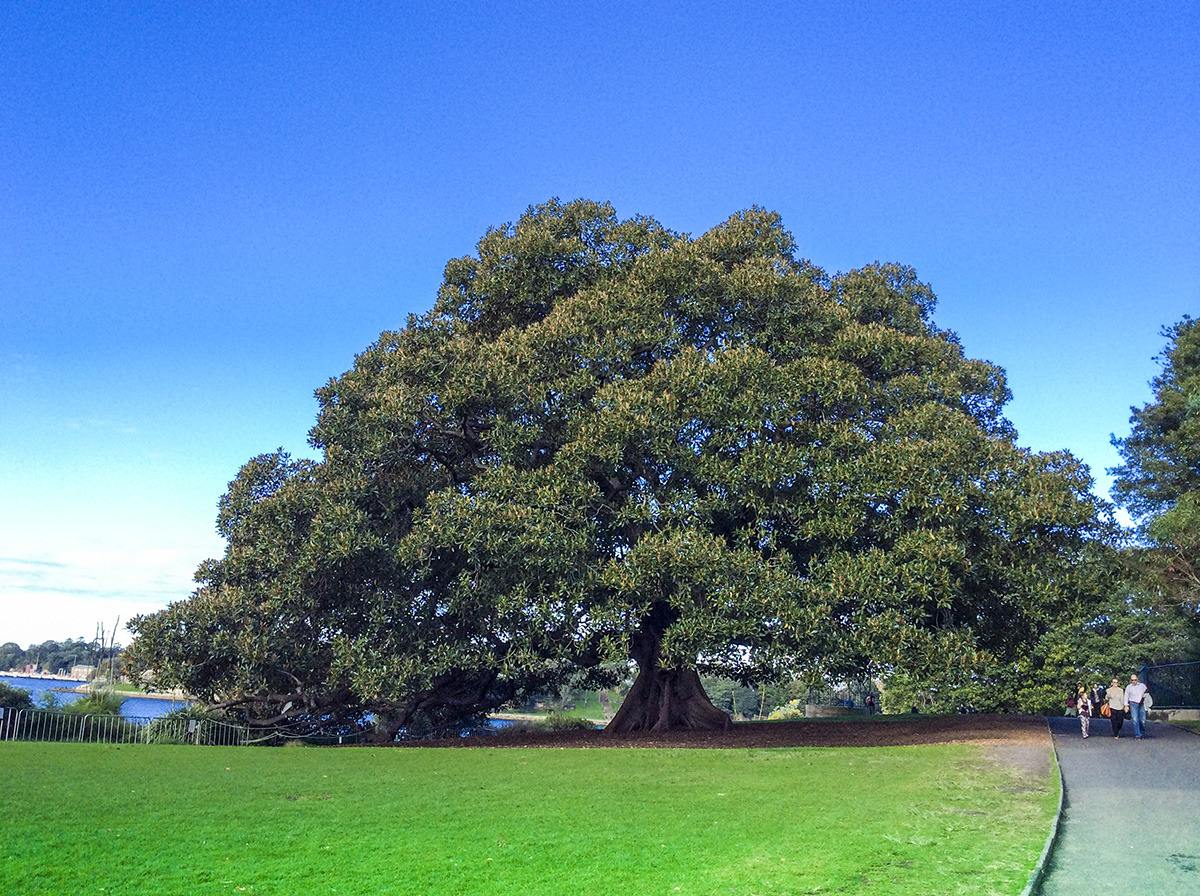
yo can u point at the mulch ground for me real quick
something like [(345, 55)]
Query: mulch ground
[(886, 731)]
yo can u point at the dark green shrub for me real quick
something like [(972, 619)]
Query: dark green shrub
[(559, 722), (14, 699), (98, 701), (552, 722)]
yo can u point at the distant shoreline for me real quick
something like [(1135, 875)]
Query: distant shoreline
[(83, 687)]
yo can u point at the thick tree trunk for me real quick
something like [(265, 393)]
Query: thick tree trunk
[(663, 699), (386, 729)]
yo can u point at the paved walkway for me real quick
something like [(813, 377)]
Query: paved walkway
[(1131, 822)]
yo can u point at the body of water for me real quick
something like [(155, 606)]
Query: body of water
[(133, 707), (149, 707)]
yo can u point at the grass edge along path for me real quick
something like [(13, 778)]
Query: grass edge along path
[(893, 821), (1033, 885)]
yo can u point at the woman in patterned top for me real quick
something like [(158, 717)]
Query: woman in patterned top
[(1083, 704)]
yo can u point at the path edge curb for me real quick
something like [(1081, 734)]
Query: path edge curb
[(1039, 870)]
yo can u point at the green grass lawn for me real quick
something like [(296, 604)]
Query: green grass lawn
[(98, 819), (589, 708), (1190, 724), (127, 687)]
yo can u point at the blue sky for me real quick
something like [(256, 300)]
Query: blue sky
[(206, 211)]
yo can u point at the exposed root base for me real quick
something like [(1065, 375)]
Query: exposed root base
[(667, 700)]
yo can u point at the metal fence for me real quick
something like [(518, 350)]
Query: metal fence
[(49, 725), (55, 725), (1173, 685)]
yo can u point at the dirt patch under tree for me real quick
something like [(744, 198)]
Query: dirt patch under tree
[(1018, 741)]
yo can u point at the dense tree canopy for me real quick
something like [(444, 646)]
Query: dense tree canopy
[(1159, 481), (608, 442)]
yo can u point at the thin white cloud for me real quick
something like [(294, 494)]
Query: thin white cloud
[(31, 618), (61, 592), (100, 424)]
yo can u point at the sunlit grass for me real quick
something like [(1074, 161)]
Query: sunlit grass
[(197, 820)]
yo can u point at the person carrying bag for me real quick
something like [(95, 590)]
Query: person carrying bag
[(1115, 704)]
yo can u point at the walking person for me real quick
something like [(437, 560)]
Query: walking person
[(1083, 705), (1115, 698), (1135, 695)]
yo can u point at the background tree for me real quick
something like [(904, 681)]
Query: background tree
[(741, 701), (607, 442), (1117, 636), (1159, 481), (53, 656), (12, 655)]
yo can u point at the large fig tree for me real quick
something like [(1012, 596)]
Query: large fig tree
[(610, 443)]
